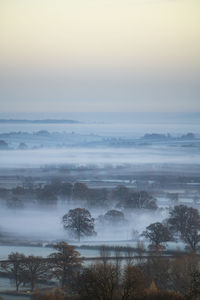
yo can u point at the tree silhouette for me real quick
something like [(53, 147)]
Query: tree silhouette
[(157, 233), (35, 269), (79, 223), (114, 217), (15, 267), (65, 263), (186, 222)]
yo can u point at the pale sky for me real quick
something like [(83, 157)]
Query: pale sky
[(99, 55)]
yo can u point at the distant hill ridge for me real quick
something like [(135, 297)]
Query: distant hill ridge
[(44, 121)]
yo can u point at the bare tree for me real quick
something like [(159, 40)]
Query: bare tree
[(118, 255), (66, 263), (157, 269), (181, 272), (79, 222), (133, 283), (104, 253), (140, 248), (99, 282), (15, 267), (118, 260), (129, 253), (137, 199), (35, 268)]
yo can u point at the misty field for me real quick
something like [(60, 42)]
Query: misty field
[(125, 179)]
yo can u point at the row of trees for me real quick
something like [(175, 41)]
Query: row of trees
[(111, 282), (64, 264), (79, 222), (120, 196), (153, 278), (183, 223)]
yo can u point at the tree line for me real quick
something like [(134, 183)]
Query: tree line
[(62, 264), (155, 277), (182, 224), (48, 194)]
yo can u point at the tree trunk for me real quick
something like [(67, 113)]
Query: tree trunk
[(32, 285)]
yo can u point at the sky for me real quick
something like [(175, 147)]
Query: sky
[(99, 55)]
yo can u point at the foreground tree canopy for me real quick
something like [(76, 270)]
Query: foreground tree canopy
[(153, 278), (79, 223)]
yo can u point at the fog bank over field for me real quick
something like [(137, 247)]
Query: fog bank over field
[(107, 129), (107, 124), (41, 166), (36, 223), (99, 157)]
